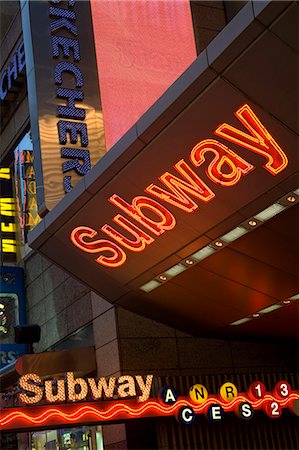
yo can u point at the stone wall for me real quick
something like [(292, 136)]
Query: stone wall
[(55, 301)]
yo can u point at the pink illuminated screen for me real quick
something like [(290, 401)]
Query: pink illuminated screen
[(142, 47)]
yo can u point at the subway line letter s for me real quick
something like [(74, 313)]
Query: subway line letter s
[(116, 256)]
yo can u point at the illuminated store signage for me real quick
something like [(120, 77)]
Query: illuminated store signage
[(68, 133), (185, 409), (76, 389), (151, 218), (31, 215), (134, 75), (26, 191), (8, 232), (78, 158), (11, 71)]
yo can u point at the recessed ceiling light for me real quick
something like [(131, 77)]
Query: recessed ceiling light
[(255, 315), (203, 253), (269, 212), (252, 223), (175, 270), (150, 286), (233, 234), (270, 308), (219, 244), (286, 302), (162, 277), (189, 262), (240, 321), (291, 198)]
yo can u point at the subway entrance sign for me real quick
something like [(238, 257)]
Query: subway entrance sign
[(282, 400), (184, 220)]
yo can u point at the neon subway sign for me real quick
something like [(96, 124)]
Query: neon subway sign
[(71, 388), (111, 252), (198, 402)]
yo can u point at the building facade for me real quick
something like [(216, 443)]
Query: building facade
[(155, 315)]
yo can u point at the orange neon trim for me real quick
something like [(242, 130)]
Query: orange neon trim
[(134, 210), (260, 141), (142, 239), (25, 418), (178, 197), (223, 156), (101, 245)]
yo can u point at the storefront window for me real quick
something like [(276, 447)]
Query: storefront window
[(79, 438), (9, 317), (12, 313)]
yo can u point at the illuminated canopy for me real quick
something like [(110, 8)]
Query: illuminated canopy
[(231, 255)]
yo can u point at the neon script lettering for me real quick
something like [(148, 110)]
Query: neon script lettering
[(183, 189)]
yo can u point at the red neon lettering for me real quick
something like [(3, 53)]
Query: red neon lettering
[(178, 197), (224, 157), (226, 168), (117, 257), (166, 222), (141, 238), (260, 141)]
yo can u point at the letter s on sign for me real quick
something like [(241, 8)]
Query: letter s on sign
[(117, 256), (29, 383), (12, 356)]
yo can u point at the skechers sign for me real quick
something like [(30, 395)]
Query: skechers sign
[(67, 126)]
